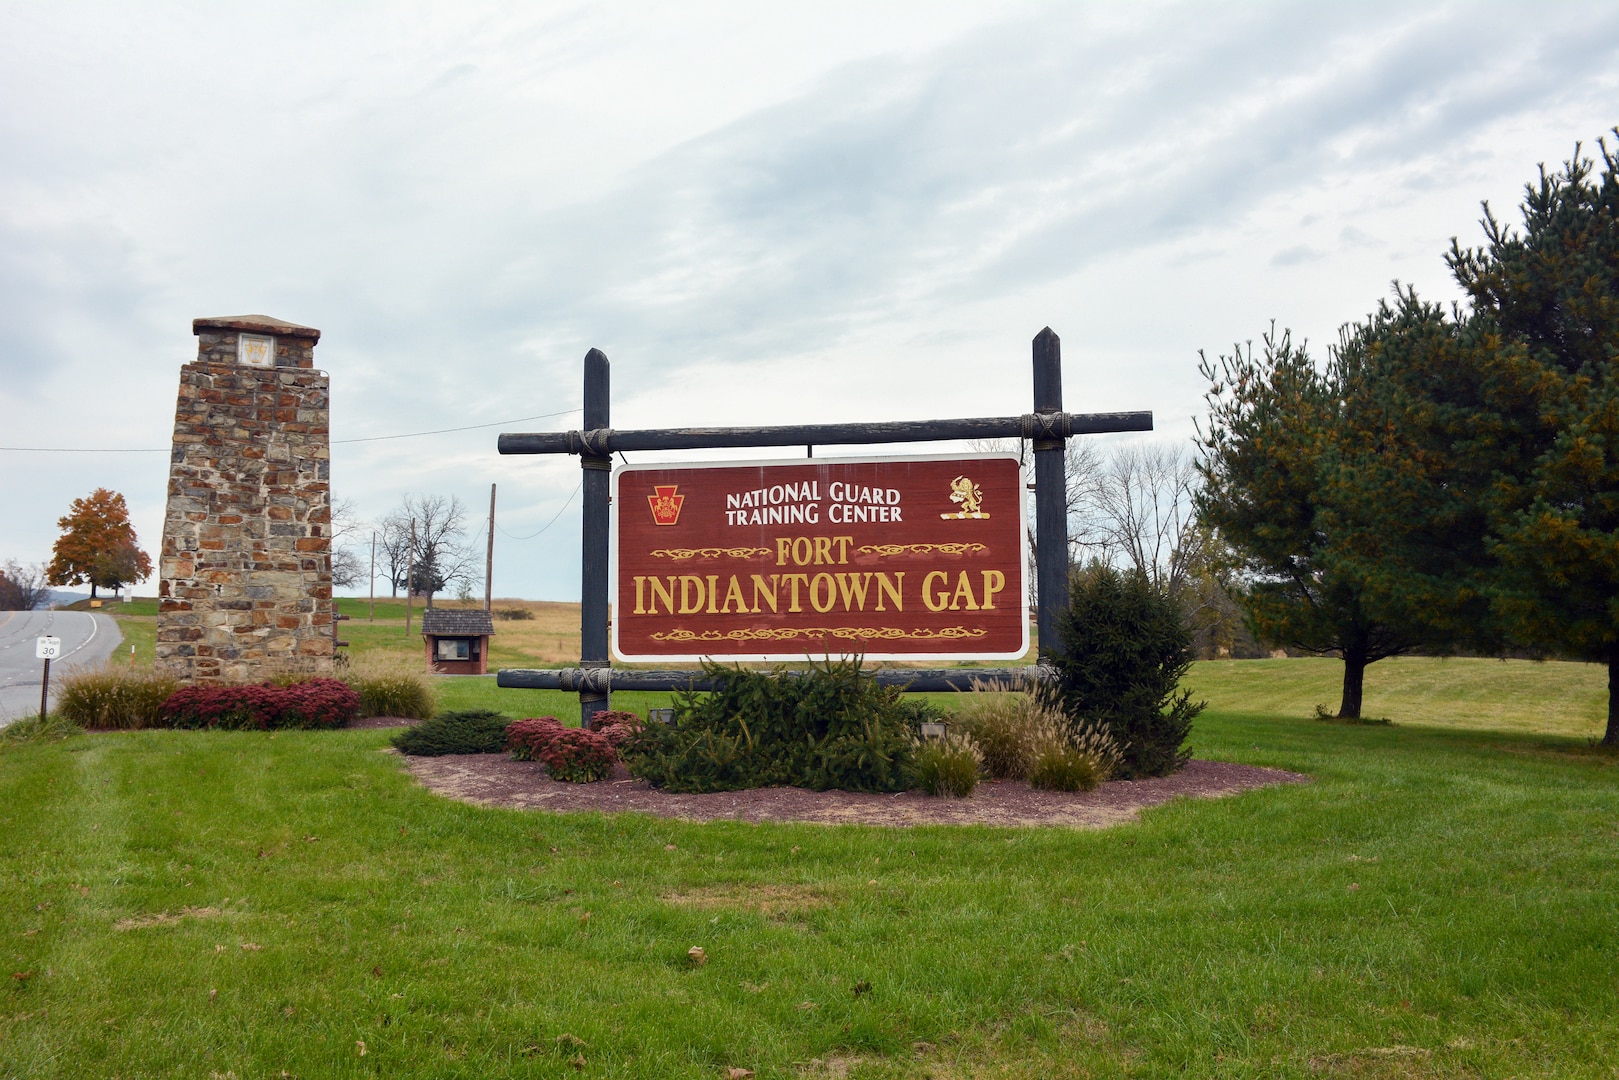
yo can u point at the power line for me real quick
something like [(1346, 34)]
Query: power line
[(335, 442), (442, 431), (548, 524)]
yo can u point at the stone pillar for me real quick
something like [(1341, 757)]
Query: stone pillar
[(245, 589)]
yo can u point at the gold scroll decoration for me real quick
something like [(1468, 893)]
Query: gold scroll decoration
[(682, 554), (853, 633), (921, 549)]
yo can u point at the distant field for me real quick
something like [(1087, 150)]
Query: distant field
[(1550, 698)]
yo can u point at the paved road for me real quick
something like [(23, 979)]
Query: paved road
[(87, 638)]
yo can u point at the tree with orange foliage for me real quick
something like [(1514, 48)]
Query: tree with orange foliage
[(97, 545)]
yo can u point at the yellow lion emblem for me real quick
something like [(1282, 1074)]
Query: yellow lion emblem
[(969, 496)]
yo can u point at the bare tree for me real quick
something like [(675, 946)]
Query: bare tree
[(1135, 511), (1081, 465), (393, 545), (23, 588), (441, 557), (1132, 509), (349, 565)]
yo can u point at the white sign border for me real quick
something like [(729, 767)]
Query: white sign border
[(778, 658)]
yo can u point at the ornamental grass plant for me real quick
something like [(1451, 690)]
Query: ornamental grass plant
[(108, 697), (1026, 735), (948, 766), (1003, 724), (391, 685)]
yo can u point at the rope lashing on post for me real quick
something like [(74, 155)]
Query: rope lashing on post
[(594, 443), (594, 679), (1047, 427)]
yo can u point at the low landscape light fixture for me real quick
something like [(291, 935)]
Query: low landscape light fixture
[(660, 716), (934, 729)]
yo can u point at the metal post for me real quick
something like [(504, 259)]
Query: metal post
[(1050, 495), (489, 559), (371, 608), (593, 600), (45, 688)]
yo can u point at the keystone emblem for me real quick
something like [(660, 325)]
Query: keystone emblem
[(665, 504)]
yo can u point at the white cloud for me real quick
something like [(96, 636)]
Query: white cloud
[(762, 214)]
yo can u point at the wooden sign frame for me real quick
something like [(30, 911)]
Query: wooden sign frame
[(1048, 428), (903, 557)]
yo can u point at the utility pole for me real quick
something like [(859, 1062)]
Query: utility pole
[(489, 559), (372, 607), (410, 574)]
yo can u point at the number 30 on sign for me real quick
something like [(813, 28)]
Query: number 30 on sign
[(47, 648)]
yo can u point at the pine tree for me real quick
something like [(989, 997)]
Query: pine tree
[(1546, 314), (1281, 494), (1126, 648)]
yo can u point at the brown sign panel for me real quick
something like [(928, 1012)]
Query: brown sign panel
[(901, 558)]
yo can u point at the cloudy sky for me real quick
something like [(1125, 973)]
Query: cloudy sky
[(762, 213)]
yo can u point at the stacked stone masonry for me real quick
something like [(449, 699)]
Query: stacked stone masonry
[(246, 571)]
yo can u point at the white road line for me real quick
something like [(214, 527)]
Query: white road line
[(94, 626)]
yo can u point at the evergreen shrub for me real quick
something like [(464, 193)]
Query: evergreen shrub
[(464, 731), (1127, 648), (948, 766), (830, 727), (110, 697)]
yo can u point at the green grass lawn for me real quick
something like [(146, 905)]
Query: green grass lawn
[(1551, 698), (1437, 902)]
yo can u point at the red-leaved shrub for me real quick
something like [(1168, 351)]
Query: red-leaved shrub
[(314, 703), (617, 726), (318, 703), (577, 756), (526, 738)]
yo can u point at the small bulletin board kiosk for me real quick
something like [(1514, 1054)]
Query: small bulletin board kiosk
[(457, 641)]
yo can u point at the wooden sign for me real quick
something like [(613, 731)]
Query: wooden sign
[(897, 558)]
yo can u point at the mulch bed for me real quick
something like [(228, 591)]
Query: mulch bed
[(496, 780), (382, 722)]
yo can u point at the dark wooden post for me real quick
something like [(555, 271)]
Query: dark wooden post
[(598, 464), (1050, 493), (489, 557)]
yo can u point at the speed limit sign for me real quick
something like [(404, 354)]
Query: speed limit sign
[(47, 647)]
